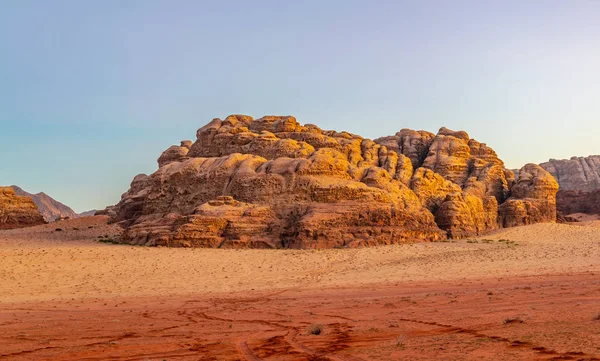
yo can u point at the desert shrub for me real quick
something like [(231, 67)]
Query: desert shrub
[(400, 340), (510, 320), (109, 241), (315, 329)]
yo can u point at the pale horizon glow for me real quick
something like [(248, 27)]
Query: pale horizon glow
[(91, 92)]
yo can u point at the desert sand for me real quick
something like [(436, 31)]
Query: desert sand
[(522, 293)]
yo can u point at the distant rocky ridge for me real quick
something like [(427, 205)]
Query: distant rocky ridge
[(579, 181), (17, 211), (575, 174), (272, 182), (50, 208), (87, 213)]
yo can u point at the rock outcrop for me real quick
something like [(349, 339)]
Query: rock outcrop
[(272, 182), (570, 202), (575, 174), (579, 181), (17, 211), (50, 208), (532, 200)]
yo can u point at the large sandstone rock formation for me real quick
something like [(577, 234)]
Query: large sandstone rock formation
[(50, 208), (17, 211), (272, 182), (579, 180)]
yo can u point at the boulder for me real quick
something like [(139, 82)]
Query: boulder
[(174, 154)]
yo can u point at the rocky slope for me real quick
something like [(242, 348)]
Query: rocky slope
[(272, 182), (579, 181), (17, 211), (50, 208)]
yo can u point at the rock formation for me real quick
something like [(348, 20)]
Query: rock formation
[(272, 182), (579, 180), (575, 174), (532, 200), (569, 202), (50, 208), (17, 211)]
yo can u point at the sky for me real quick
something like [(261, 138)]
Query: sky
[(91, 92)]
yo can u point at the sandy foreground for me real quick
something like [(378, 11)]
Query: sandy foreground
[(525, 293)]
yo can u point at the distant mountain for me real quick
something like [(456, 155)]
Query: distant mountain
[(50, 208), (575, 174), (88, 213), (579, 181)]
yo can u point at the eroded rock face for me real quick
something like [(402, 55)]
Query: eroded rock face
[(579, 181), (575, 174), (569, 202), (453, 174), (272, 182), (532, 200), (17, 211)]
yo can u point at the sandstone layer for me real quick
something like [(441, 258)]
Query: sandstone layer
[(272, 182), (17, 211)]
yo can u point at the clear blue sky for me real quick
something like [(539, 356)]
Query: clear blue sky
[(91, 92)]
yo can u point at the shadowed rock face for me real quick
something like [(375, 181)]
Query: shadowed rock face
[(17, 211), (272, 182), (579, 181), (569, 202), (575, 174)]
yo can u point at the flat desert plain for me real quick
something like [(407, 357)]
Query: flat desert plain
[(525, 293)]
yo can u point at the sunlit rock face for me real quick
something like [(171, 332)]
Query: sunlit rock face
[(532, 200), (275, 183)]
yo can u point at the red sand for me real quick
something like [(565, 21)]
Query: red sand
[(450, 320), (64, 297)]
